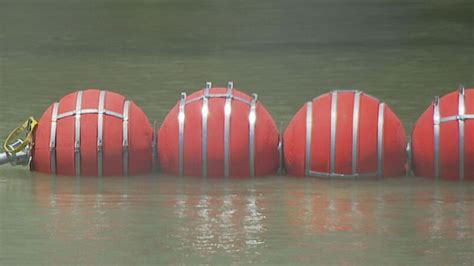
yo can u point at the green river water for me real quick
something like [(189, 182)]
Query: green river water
[(403, 52)]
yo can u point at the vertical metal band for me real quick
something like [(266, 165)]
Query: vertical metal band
[(381, 119), (280, 149), (181, 118), (126, 107), (461, 113), (333, 132), (355, 131), (409, 156), (252, 119), (154, 143), (77, 141), (227, 113), (52, 138), (309, 125), (100, 126), (436, 130), (204, 115)]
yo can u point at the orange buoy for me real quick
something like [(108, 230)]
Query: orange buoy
[(93, 133), (443, 138), (345, 134), (218, 132)]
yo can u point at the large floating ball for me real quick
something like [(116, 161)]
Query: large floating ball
[(443, 138), (218, 132), (93, 133), (345, 133)]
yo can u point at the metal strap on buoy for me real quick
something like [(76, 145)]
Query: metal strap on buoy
[(355, 131), (460, 118), (333, 136), (126, 108), (78, 111), (227, 113), (229, 97), (77, 135), (280, 150), (309, 128), (332, 154), (100, 125), (381, 119), (461, 112), (252, 119), (204, 114), (52, 137), (181, 118), (436, 129)]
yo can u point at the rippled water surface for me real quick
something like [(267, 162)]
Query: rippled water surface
[(403, 52)]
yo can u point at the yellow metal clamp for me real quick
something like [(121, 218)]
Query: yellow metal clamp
[(15, 137)]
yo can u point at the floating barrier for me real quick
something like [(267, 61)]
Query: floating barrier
[(443, 138), (345, 134), (218, 132), (93, 133), (224, 132)]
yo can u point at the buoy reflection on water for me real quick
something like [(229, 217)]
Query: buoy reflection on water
[(209, 218)]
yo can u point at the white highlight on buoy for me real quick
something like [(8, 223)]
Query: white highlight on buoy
[(227, 109), (205, 111), (252, 117), (181, 117)]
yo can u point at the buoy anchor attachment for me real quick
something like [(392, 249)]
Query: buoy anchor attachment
[(21, 158), (17, 149)]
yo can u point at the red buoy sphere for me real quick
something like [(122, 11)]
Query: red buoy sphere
[(93, 133), (345, 133), (218, 132), (443, 138)]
